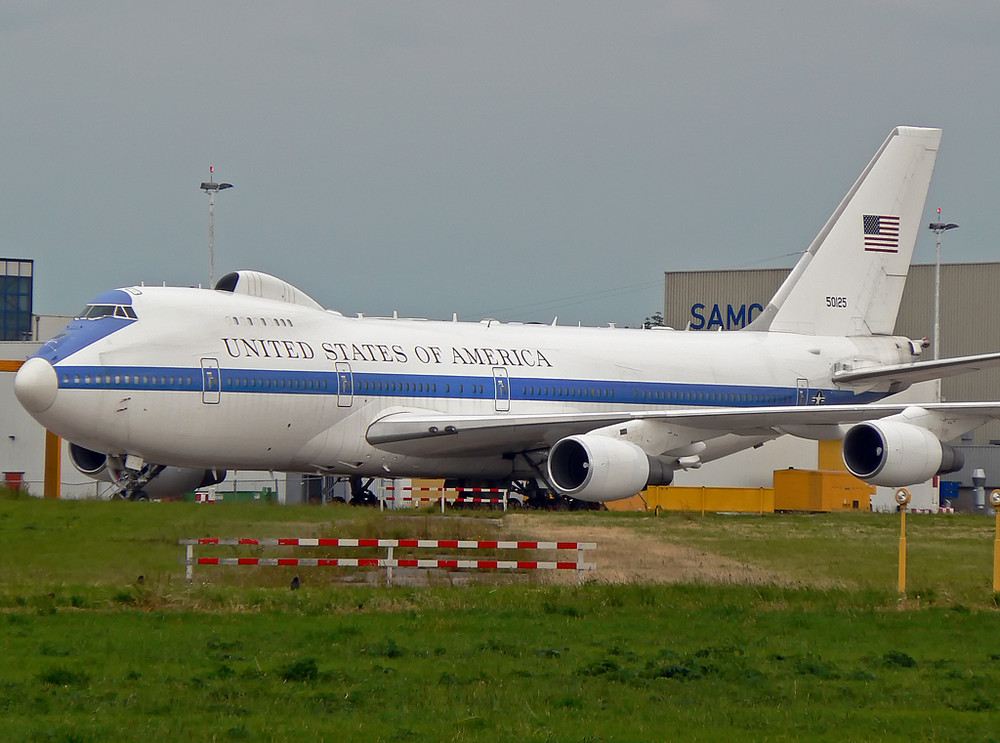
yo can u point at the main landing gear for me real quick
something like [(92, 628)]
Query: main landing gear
[(361, 492), (538, 496)]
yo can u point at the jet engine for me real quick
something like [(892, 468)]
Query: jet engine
[(169, 482), (894, 454), (91, 463), (600, 468)]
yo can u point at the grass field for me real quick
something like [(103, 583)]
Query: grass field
[(826, 650)]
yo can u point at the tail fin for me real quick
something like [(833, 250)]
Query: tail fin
[(851, 279)]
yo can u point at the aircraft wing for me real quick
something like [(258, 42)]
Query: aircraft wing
[(429, 433), (921, 371)]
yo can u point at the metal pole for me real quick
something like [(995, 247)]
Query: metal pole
[(211, 188), (211, 244), (937, 300), (938, 228)]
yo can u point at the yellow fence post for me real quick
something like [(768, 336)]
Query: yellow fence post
[(902, 498), (53, 466), (995, 500)]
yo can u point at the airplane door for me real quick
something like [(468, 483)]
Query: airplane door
[(211, 386), (501, 385), (802, 392), (345, 385)]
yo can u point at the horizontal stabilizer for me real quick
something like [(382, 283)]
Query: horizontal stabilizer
[(921, 371)]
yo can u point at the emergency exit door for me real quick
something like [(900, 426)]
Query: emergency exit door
[(501, 385), (211, 384), (345, 385)]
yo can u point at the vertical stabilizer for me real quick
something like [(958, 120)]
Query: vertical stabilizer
[(851, 279)]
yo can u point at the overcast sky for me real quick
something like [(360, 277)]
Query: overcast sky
[(517, 160)]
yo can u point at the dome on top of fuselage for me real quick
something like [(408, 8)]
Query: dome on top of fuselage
[(265, 286)]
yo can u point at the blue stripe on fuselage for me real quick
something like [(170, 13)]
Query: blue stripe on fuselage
[(374, 385)]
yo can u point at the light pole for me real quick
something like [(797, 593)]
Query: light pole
[(938, 228), (212, 188)]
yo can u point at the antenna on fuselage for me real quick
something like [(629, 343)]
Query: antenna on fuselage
[(212, 188)]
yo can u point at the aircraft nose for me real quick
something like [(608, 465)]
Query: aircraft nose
[(35, 385)]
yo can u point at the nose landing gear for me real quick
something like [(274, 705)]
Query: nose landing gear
[(129, 483)]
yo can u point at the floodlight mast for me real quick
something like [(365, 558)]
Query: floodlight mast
[(938, 228), (212, 188)]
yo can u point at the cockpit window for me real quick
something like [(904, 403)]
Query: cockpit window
[(97, 311)]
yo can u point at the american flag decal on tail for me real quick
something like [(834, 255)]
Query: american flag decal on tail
[(881, 233)]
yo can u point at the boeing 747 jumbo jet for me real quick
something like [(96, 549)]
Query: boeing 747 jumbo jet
[(165, 388)]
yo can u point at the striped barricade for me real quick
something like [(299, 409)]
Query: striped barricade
[(391, 559)]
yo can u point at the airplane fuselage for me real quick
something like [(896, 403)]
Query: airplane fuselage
[(201, 378)]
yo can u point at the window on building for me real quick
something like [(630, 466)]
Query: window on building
[(15, 299)]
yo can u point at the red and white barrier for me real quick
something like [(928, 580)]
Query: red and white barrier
[(390, 560), (450, 490)]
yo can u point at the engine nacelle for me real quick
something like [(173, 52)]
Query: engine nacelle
[(599, 468), (170, 482), (895, 454), (91, 463)]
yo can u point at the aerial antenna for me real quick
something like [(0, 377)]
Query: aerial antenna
[(212, 188)]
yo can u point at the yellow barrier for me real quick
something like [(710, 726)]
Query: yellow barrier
[(810, 490)]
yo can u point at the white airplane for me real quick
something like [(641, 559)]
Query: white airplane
[(163, 389)]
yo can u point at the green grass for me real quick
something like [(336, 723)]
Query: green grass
[(830, 653), (592, 663), (949, 557)]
